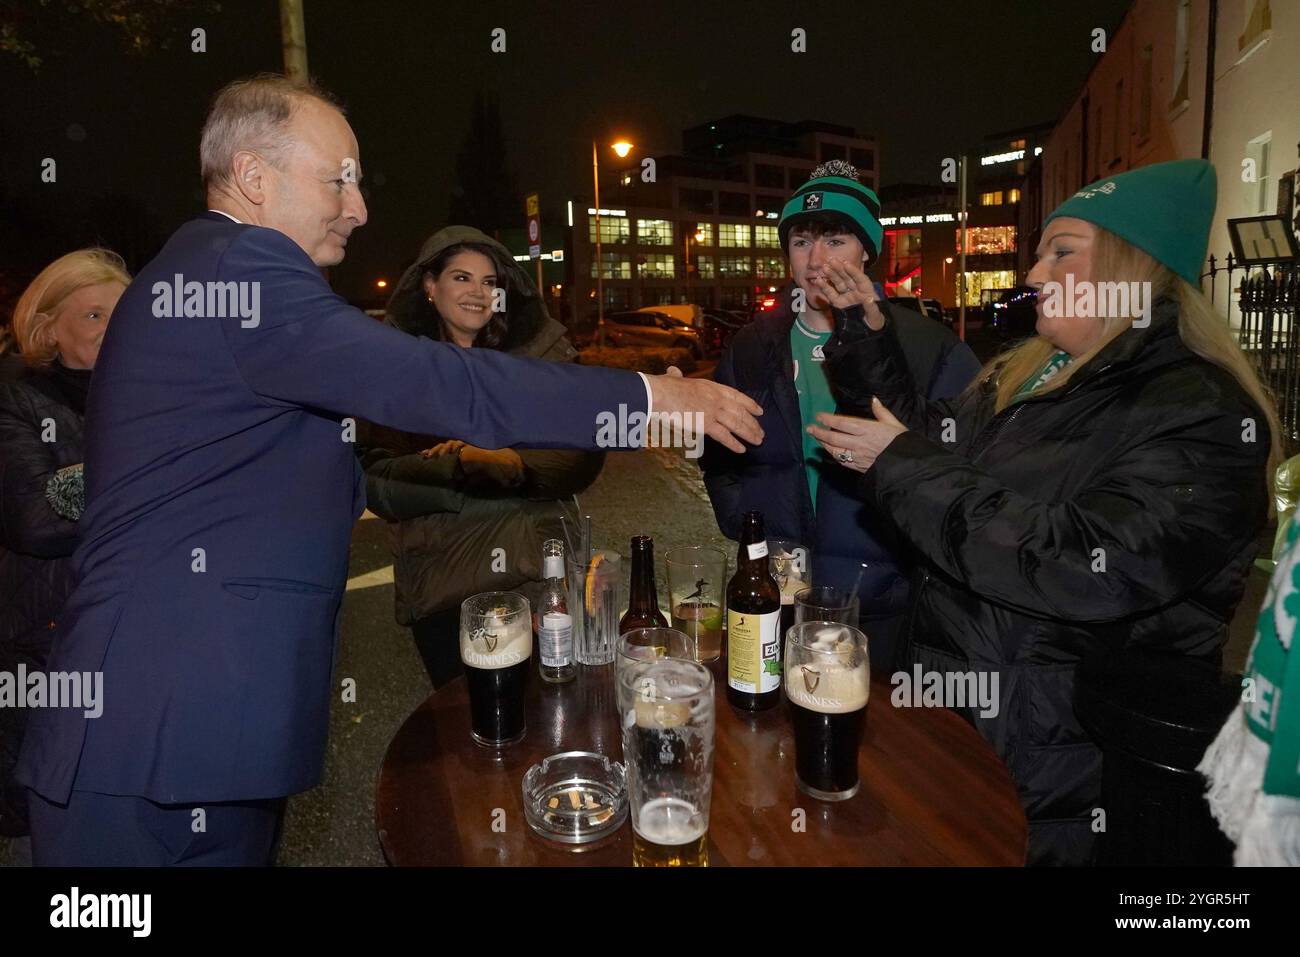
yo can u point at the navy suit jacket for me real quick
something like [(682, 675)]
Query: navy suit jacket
[(221, 496)]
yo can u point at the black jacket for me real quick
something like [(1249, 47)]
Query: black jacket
[(36, 544), (1120, 510), (843, 533)]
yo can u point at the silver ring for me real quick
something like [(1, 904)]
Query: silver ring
[(846, 457)]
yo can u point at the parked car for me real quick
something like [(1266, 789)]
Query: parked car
[(1013, 314), (936, 311), (719, 327), (907, 302), (685, 314), (641, 328)]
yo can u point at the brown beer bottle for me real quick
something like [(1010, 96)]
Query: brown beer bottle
[(643, 603), (753, 624)]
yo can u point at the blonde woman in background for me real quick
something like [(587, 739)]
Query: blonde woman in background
[(58, 325), (1102, 486)]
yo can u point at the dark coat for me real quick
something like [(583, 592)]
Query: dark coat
[(1121, 510), (36, 543), (209, 434), (770, 476)]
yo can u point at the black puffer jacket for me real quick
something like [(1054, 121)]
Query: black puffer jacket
[(36, 544), (1120, 510)]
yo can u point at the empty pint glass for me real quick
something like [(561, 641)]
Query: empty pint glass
[(667, 713), (496, 646), (827, 681)]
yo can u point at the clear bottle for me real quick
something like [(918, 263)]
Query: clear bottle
[(552, 623)]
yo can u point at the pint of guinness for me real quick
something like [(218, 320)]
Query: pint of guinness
[(827, 681), (496, 647)]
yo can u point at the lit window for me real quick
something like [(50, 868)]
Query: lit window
[(769, 267), (766, 237), (616, 265), (658, 266), (654, 232), (978, 283), (613, 229), (1013, 196), (733, 234), (988, 240), (700, 234), (704, 267), (734, 267), (991, 199)]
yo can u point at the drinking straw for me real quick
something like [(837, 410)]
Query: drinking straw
[(857, 582)]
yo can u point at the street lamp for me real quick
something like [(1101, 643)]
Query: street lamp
[(622, 148), (686, 261), (946, 263)]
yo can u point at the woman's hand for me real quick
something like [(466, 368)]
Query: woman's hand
[(856, 443), (845, 285), (450, 447), (472, 457)]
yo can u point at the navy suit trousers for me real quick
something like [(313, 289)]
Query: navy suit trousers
[(110, 830)]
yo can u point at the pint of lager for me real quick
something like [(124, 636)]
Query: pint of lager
[(667, 712), (827, 681), (496, 647)]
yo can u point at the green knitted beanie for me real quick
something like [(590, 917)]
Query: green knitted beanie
[(1164, 209)]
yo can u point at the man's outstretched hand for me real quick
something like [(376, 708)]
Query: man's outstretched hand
[(728, 415)]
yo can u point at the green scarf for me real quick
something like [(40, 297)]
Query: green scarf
[(1055, 364), (1253, 766)]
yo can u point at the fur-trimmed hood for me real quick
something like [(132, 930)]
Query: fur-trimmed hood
[(531, 331)]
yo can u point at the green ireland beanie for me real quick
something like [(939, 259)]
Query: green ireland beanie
[(1164, 209), (834, 188)]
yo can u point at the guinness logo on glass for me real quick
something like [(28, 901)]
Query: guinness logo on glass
[(489, 640), (811, 678)]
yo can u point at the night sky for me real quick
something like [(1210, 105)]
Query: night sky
[(929, 78)]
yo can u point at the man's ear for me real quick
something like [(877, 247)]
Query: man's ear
[(249, 176)]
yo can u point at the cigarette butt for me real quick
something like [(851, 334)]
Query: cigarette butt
[(574, 800), (553, 803)]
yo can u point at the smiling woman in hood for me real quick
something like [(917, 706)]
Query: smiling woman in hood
[(426, 298), (450, 506)]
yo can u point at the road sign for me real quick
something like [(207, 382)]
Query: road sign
[(534, 227)]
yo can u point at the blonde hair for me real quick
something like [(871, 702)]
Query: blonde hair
[(1200, 326), (34, 314)]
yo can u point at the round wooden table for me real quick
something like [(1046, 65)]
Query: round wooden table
[(933, 792)]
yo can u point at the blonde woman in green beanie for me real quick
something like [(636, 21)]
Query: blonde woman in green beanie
[(1102, 486)]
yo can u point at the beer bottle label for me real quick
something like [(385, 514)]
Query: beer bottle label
[(757, 550), (555, 639), (753, 649)]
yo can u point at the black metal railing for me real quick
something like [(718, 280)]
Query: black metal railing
[(1262, 305)]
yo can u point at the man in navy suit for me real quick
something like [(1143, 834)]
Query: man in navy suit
[(222, 489)]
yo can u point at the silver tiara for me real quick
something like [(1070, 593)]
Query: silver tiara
[(836, 168)]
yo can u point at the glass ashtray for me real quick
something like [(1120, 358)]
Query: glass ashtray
[(575, 797)]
